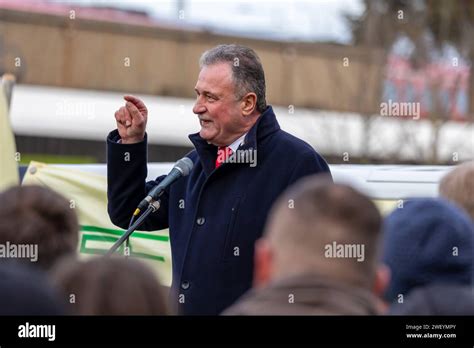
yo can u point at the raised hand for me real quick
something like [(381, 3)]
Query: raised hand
[(131, 120)]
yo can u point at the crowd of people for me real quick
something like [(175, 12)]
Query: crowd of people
[(325, 250)]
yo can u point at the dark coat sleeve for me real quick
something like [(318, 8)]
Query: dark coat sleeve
[(310, 163), (126, 187)]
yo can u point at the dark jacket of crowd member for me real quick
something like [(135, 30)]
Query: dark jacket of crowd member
[(306, 294), (25, 290), (437, 299)]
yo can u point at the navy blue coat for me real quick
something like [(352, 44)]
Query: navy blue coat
[(212, 237)]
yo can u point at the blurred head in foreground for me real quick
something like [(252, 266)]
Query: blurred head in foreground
[(428, 241), (458, 187), (110, 286), (37, 225), (318, 254)]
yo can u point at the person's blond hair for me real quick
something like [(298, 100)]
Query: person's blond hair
[(458, 187)]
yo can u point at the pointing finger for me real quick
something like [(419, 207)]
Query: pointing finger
[(137, 102), (136, 115), (127, 117)]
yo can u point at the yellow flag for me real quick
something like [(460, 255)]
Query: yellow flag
[(8, 164), (87, 194)]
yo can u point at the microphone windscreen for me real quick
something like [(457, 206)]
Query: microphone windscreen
[(185, 165)]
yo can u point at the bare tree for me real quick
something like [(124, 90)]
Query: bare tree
[(447, 22)]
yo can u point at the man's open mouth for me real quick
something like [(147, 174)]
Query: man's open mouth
[(204, 122)]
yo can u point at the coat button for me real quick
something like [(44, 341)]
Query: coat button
[(200, 221), (185, 285)]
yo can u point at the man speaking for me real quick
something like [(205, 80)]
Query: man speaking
[(242, 162)]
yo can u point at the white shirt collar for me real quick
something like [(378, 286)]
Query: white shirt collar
[(235, 145)]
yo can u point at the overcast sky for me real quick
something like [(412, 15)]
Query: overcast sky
[(312, 20)]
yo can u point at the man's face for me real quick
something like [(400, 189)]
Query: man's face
[(218, 110)]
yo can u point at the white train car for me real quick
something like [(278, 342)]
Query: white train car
[(387, 185), (76, 122)]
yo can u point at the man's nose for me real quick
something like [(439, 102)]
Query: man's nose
[(198, 108)]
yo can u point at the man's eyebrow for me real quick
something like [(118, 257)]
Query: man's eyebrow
[(206, 93)]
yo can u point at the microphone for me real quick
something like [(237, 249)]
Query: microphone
[(181, 168)]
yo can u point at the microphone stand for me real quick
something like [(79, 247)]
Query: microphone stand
[(152, 207)]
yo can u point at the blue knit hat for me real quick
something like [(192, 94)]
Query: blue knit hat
[(427, 241)]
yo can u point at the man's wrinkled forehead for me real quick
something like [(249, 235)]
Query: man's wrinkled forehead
[(216, 78)]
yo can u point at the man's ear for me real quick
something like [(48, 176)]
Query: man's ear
[(382, 280), (263, 263), (248, 104)]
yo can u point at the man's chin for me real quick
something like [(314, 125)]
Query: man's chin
[(205, 135)]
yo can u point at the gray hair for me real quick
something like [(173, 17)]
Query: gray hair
[(247, 70)]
